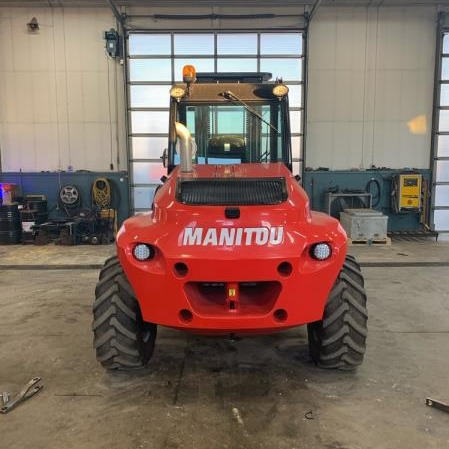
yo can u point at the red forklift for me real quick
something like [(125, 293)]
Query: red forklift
[(230, 246)]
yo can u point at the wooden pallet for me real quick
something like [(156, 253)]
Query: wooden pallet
[(386, 241)]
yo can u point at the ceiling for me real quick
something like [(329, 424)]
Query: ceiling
[(210, 3)]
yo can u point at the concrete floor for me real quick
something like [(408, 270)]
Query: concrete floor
[(213, 393)]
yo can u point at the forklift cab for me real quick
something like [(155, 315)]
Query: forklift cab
[(233, 118)]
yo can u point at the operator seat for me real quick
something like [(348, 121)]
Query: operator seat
[(227, 146)]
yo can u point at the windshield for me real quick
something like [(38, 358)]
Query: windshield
[(233, 133)]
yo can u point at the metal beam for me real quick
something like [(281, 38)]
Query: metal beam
[(120, 17), (313, 11)]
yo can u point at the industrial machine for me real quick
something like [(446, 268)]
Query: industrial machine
[(406, 192), (231, 246)]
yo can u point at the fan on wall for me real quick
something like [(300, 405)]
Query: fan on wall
[(337, 202)]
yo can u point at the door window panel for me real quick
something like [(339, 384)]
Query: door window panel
[(150, 70), (443, 146), (445, 69), (297, 168), (296, 147), (237, 44), (295, 121), (287, 69), (143, 197), (147, 172), (237, 65), (446, 44), (148, 122), (149, 44), (149, 96), (194, 44), (281, 44), (148, 147), (441, 220), (442, 171), (444, 95), (295, 95), (444, 121), (442, 196)]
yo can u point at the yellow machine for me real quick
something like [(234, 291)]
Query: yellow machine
[(406, 192)]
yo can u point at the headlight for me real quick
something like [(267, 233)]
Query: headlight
[(321, 251), (143, 252), (280, 90), (177, 92)]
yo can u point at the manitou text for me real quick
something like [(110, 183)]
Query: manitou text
[(233, 236)]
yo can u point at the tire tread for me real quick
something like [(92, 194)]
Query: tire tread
[(339, 339), (117, 323)]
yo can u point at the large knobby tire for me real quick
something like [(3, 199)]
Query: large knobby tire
[(339, 340), (122, 340)]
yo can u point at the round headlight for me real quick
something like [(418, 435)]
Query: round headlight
[(280, 90), (177, 92), (143, 252), (321, 251)]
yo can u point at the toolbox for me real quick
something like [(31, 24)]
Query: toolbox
[(364, 224)]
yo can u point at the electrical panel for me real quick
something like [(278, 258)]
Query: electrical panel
[(112, 45), (406, 192)]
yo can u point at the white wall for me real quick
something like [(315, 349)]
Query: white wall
[(371, 71), (54, 97)]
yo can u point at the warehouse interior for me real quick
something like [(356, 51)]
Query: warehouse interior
[(86, 121)]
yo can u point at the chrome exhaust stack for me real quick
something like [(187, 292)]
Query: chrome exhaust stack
[(186, 147)]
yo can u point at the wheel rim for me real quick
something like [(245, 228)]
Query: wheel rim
[(69, 195)]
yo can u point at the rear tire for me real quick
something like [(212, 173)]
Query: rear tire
[(122, 340), (339, 340)]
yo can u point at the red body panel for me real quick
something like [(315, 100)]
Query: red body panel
[(238, 287)]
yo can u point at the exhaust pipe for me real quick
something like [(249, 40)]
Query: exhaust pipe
[(186, 150)]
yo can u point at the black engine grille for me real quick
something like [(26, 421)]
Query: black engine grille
[(231, 191)]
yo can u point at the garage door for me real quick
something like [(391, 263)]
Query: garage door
[(441, 150), (155, 61)]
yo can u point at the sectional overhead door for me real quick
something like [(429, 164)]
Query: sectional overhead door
[(155, 60), (440, 203)]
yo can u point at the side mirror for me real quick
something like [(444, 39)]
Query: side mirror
[(164, 158)]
